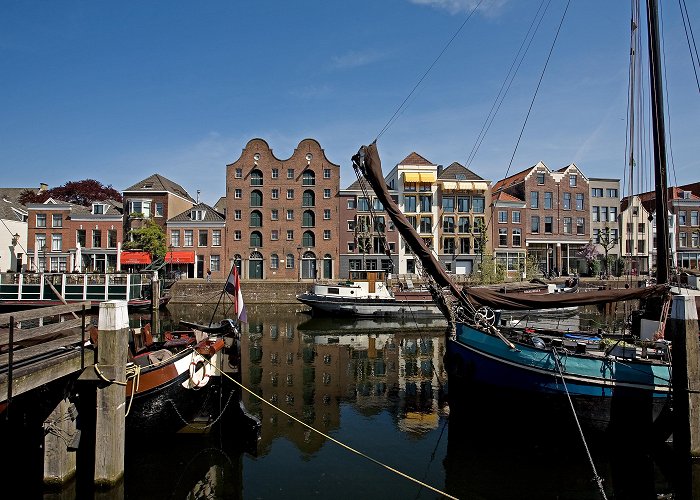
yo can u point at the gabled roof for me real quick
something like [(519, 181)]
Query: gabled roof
[(210, 215), (512, 180), (503, 196), (157, 182), (416, 159), (13, 194), (460, 173)]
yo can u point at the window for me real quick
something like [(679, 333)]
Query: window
[(237, 193), (629, 244), (503, 237), (307, 199), (308, 239), (515, 216), (426, 202), (502, 216), (535, 222), (290, 214), (40, 220), (98, 209), (640, 246), (682, 239), (409, 204), (274, 214), (681, 218), (255, 218), (695, 239), (290, 261), (175, 238), (237, 235), (612, 193), (694, 218), (274, 261), (56, 242), (572, 180), (290, 234), (548, 224), (448, 245), (426, 225), (478, 205), (326, 214), (463, 203), (308, 178), (613, 214), (351, 225), (479, 224), (362, 204), (275, 173), (256, 198), (197, 214), (326, 234), (275, 194), (189, 238), (595, 214), (448, 204), (308, 219), (351, 204), (377, 205), (534, 199), (112, 238), (603, 214), (255, 239), (80, 237), (579, 201), (290, 173), (448, 224), (216, 237), (158, 209), (239, 173), (580, 225), (41, 241), (326, 173), (517, 238), (274, 235), (597, 192), (464, 226), (237, 215), (567, 225), (96, 238), (215, 263), (379, 224), (409, 186), (540, 178), (57, 220), (290, 194), (548, 200), (351, 247), (326, 193), (596, 236), (464, 245), (641, 227), (203, 238), (567, 201)]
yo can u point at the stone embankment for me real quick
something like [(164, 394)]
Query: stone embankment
[(199, 291)]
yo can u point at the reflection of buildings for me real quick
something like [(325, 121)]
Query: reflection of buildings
[(308, 376)]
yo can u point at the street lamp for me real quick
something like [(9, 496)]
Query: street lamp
[(299, 262)]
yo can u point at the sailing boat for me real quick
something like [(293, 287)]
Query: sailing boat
[(606, 388)]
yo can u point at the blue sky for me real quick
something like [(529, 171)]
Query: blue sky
[(117, 91)]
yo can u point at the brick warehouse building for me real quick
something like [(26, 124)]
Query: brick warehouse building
[(282, 215)]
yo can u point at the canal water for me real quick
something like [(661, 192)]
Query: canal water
[(380, 389)]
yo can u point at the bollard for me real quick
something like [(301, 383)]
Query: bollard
[(113, 326)]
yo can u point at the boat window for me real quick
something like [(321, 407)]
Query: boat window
[(335, 291)]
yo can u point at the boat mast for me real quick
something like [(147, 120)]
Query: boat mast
[(659, 136)]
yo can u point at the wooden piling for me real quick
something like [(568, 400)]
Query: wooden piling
[(59, 460), (155, 292), (683, 329), (113, 325)]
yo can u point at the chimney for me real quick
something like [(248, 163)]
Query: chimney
[(440, 169), (43, 186)]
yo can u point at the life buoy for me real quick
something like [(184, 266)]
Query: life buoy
[(200, 372)]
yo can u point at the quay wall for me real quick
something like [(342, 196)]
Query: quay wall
[(199, 291)]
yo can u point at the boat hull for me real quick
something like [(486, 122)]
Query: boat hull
[(369, 306), (605, 392)]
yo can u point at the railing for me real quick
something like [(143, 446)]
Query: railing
[(72, 287)]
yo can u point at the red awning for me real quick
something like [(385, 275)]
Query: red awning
[(135, 258), (179, 257)]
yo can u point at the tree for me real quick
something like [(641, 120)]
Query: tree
[(480, 237), (149, 238), (607, 241), (490, 271), (77, 192), (590, 253)]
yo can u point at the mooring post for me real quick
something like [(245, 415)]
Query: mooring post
[(683, 325), (155, 291), (113, 327), (60, 443)]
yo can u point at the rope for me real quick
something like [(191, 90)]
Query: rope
[(339, 443), (596, 477)]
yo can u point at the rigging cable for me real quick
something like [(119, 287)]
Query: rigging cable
[(668, 101), (444, 49), (689, 36)]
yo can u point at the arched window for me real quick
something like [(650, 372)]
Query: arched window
[(274, 261), (255, 218), (308, 239), (256, 198), (256, 178), (308, 178), (308, 199), (308, 219), (255, 239)]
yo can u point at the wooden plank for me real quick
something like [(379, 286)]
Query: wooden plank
[(30, 377), (29, 333), (43, 348), (41, 312)]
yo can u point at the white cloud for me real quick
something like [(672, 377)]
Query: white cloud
[(355, 59), (487, 7)]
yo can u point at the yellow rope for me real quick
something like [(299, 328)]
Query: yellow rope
[(353, 450)]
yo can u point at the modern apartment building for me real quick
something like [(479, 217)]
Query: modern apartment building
[(282, 215), (605, 211), (636, 235)]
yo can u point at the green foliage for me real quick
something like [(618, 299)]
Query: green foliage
[(532, 268), (149, 238), (489, 272)]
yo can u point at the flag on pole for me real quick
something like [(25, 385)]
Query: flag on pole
[(233, 287)]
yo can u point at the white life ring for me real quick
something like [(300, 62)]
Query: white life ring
[(200, 372)]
